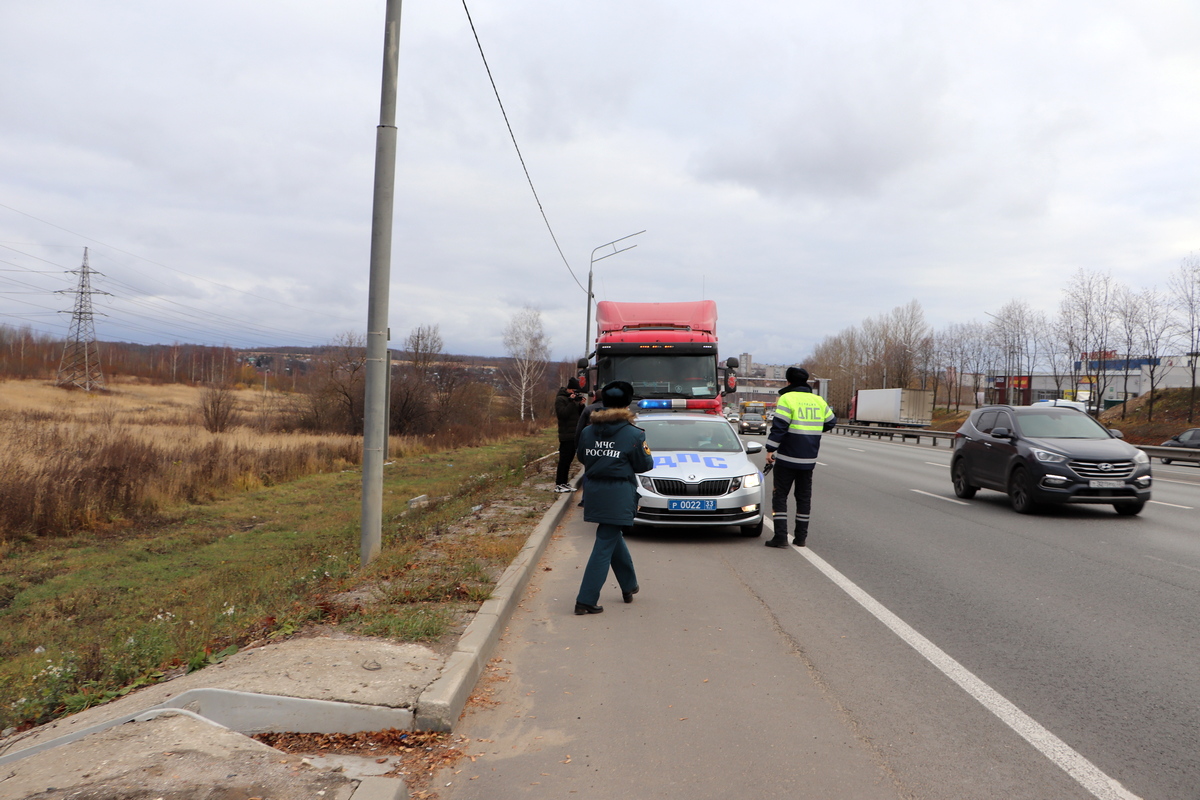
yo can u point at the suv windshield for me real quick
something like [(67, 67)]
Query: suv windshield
[(700, 435), (1065, 424)]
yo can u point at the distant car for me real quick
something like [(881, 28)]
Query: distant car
[(1189, 438), (733, 417), (1075, 404), (702, 475), (753, 423), (1044, 454)]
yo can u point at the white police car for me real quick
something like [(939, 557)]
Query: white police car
[(702, 476)]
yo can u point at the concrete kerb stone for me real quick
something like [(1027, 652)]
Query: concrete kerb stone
[(439, 706)]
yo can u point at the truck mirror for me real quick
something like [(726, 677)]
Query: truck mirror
[(731, 382), (582, 363), (732, 363)]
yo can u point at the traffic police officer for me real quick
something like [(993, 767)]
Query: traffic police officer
[(792, 445)]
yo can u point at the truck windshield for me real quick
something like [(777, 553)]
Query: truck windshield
[(663, 376)]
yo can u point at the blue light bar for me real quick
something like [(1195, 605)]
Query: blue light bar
[(654, 404)]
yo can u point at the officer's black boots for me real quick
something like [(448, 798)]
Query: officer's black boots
[(779, 540)]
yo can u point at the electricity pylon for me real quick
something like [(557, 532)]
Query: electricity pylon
[(80, 364)]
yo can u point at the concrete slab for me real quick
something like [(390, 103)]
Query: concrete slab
[(176, 756)]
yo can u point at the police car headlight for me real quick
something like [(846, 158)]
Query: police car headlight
[(751, 481), (646, 483)]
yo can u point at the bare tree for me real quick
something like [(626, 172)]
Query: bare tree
[(218, 407), (1156, 336), (528, 348), (1185, 291), (1128, 310), (424, 345), (1088, 306)]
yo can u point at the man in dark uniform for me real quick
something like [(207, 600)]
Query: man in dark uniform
[(568, 406), (613, 450), (792, 446)]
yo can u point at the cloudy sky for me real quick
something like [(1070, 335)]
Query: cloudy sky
[(806, 164)]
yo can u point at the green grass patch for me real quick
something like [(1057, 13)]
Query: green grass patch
[(84, 619)]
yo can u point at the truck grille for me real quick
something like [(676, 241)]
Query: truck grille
[(1102, 469), (675, 488)]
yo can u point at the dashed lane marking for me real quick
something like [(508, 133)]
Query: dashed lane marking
[(939, 497), (1172, 505)]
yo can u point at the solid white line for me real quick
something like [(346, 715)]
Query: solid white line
[(939, 497), (938, 464), (856, 450), (1087, 774), (1172, 505), (1181, 483)]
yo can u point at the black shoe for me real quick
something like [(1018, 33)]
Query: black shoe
[(799, 541), (778, 541), (584, 608), (628, 596)]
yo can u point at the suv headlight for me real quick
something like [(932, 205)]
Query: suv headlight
[(1048, 457), (753, 480), (1141, 458)]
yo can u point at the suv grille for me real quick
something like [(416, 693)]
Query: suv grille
[(712, 488), (1094, 469)]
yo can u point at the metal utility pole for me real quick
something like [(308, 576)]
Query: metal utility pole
[(80, 363), (587, 330), (375, 411)]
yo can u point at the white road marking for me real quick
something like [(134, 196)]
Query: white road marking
[(856, 450), (1085, 773), (1182, 483), (938, 464), (1173, 563), (1172, 505), (939, 497)]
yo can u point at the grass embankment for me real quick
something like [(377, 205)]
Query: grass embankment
[(83, 620)]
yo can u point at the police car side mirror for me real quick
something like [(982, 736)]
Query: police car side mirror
[(754, 447)]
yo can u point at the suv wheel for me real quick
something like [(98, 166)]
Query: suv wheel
[(1129, 509), (1020, 493), (962, 488), (1165, 460)]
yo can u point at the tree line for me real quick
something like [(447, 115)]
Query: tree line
[(1100, 331)]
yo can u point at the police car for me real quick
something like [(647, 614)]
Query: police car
[(702, 475)]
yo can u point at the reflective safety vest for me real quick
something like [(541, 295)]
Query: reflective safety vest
[(800, 419)]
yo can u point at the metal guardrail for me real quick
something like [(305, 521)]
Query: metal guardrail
[(904, 433), (1188, 454)]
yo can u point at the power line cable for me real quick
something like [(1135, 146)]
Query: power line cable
[(518, 147)]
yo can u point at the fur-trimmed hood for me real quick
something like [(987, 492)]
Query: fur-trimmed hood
[(611, 416)]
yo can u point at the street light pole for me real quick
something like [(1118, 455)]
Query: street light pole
[(587, 329)]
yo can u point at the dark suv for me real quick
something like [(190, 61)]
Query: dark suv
[(1048, 454)]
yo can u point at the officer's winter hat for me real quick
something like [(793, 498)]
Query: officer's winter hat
[(573, 384), (617, 394), (796, 375)]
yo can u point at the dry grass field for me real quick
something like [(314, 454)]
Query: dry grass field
[(85, 462)]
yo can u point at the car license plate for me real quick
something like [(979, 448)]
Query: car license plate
[(692, 505), (1106, 484)]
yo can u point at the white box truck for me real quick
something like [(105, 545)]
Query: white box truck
[(900, 408)]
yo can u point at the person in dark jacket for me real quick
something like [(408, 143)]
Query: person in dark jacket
[(613, 450), (792, 445), (568, 406)]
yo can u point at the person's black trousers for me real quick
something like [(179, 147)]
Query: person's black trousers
[(566, 452), (787, 479)]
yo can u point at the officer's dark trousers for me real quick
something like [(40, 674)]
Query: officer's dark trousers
[(785, 479), (609, 550), (566, 453)]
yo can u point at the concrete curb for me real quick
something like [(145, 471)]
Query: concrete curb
[(439, 706)]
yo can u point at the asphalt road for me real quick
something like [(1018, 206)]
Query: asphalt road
[(922, 646)]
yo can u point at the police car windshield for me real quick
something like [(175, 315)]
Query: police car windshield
[(690, 434), (1065, 424)]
